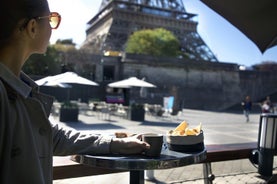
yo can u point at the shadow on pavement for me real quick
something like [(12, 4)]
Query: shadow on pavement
[(159, 124), (101, 126), (156, 181)]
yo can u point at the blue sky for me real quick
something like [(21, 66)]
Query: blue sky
[(226, 42)]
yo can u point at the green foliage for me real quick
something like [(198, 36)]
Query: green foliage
[(66, 45), (156, 42), (65, 42), (47, 64)]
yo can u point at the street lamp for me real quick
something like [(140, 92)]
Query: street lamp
[(267, 143)]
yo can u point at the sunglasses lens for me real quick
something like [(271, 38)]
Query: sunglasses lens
[(55, 21)]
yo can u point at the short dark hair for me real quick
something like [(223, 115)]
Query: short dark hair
[(12, 11)]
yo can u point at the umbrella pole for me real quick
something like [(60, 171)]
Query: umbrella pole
[(68, 94)]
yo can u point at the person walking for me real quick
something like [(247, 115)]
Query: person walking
[(28, 140), (267, 106), (247, 106)]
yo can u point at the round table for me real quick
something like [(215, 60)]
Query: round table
[(136, 164)]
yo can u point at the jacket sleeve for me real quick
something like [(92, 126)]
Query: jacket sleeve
[(69, 142), (5, 136)]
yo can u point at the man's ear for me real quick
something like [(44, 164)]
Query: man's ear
[(32, 28)]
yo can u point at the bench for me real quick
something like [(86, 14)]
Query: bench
[(225, 152)]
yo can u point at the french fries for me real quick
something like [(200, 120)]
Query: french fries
[(182, 126), (184, 130)]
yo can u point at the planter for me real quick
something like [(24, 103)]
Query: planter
[(69, 114), (137, 113)]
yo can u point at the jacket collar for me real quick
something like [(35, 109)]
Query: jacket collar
[(22, 85)]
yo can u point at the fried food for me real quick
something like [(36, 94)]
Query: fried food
[(183, 129), (190, 131), (182, 126), (198, 128), (123, 134), (177, 132), (120, 134)]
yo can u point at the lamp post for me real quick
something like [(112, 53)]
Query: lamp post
[(267, 143)]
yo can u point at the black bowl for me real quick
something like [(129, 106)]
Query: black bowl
[(187, 148)]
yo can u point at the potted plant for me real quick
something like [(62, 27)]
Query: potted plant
[(69, 112), (137, 112)]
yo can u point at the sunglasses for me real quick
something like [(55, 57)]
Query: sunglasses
[(54, 19)]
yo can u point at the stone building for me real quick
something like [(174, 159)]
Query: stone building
[(194, 84)]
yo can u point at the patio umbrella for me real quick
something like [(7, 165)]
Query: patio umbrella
[(255, 19), (131, 82), (64, 80)]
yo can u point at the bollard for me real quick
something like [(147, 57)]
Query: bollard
[(267, 143)]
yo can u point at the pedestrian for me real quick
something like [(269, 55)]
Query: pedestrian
[(267, 106), (247, 106), (28, 140)]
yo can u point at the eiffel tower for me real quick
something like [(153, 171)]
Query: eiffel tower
[(110, 28)]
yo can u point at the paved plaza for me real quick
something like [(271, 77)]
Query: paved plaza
[(218, 127)]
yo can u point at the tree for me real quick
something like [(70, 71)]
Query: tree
[(156, 42), (65, 45), (53, 61), (47, 64)]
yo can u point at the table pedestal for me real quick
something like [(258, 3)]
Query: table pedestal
[(137, 177)]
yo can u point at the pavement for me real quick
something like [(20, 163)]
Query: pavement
[(218, 127)]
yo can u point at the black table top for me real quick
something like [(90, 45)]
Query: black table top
[(168, 159)]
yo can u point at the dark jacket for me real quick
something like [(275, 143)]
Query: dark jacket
[(28, 139)]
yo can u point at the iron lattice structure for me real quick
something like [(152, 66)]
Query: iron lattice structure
[(110, 28)]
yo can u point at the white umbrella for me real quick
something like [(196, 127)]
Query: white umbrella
[(131, 82), (62, 80), (47, 82)]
